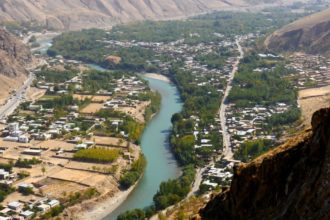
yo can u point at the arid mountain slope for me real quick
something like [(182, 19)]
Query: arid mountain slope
[(77, 14), (310, 34), (290, 182), (14, 56)]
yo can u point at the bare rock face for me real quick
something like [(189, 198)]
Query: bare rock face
[(14, 55), (78, 14), (310, 34), (290, 182)]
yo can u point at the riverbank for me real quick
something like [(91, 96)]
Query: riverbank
[(101, 206), (156, 148), (157, 76)]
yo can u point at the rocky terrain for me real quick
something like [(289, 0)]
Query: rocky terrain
[(77, 14), (310, 34), (14, 56), (290, 182)]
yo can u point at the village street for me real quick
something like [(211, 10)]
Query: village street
[(227, 150)]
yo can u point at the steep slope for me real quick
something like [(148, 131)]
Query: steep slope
[(77, 14), (13, 57), (310, 34), (290, 182)]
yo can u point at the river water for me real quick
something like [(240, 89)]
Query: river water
[(155, 146), (161, 164)]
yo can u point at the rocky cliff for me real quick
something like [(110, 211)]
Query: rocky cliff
[(290, 182), (77, 14), (310, 34), (14, 55)]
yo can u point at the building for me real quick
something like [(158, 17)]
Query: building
[(13, 127), (53, 203), (4, 174), (23, 139), (32, 152), (27, 214), (15, 206), (43, 207)]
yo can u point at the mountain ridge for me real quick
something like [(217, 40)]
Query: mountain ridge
[(310, 34), (78, 14), (14, 57)]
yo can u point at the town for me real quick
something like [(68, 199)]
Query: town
[(75, 135), (68, 141)]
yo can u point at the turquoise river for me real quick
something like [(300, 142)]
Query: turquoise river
[(161, 164), (155, 146)]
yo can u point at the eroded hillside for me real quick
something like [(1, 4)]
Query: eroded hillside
[(77, 14), (14, 56), (310, 34)]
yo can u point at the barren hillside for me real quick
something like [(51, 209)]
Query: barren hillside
[(77, 14), (310, 34), (13, 58)]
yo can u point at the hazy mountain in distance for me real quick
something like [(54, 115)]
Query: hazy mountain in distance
[(77, 14), (310, 34)]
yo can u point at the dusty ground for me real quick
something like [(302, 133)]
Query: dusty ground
[(82, 177), (110, 141), (7, 85), (137, 113), (311, 100), (34, 93), (96, 98), (57, 188), (16, 196), (54, 144), (92, 108)]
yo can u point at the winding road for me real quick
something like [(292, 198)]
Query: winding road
[(227, 150), (15, 99)]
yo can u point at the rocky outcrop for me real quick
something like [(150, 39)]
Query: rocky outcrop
[(78, 14), (310, 34), (14, 55), (290, 182)]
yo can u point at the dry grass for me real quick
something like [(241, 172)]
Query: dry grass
[(186, 209), (58, 188), (34, 93), (54, 144), (96, 98), (92, 108), (83, 177), (8, 84), (110, 141)]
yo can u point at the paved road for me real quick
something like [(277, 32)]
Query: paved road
[(227, 153), (227, 150), (14, 100)]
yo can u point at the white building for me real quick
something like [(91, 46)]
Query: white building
[(3, 174), (15, 205)]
